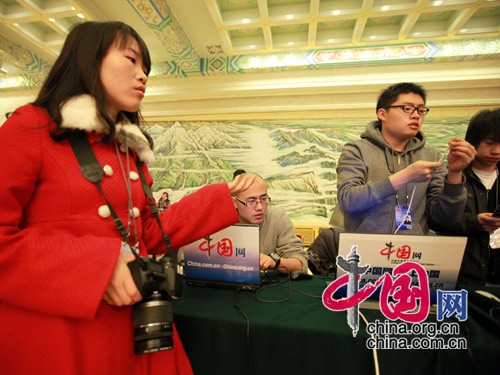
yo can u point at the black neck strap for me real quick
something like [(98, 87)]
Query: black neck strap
[(92, 171)]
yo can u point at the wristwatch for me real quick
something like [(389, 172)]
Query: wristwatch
[(276, 258)]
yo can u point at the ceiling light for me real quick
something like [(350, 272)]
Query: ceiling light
[(335, 12), (12, 82), (256, 63), (273, 61), (385, 8), (289, 16), (372, 37), (330, 40), (251, 46), (3, 70), (245, 20), (80, 15), (291, 60), (290, 43), (437, 3), (463, 30), (52, 19)]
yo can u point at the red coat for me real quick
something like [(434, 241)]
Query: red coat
[(57, 255)]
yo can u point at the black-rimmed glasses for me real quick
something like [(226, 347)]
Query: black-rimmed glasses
[(422, 111), (252, 202)]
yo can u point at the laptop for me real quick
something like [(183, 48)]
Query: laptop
[(228, 258), (441, 256)]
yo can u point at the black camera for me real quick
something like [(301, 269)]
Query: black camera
[(158, 282)]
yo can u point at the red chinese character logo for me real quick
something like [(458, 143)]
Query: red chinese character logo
[(404, 252), (205, 245), (387, 250), (409, 303), (398, 298), (225, 247)]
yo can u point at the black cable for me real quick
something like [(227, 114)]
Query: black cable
[(288, 286), (247, 324), (260, 299), (281, 284), (493, 310)]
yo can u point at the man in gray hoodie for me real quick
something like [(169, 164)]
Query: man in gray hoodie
[(389, 182)]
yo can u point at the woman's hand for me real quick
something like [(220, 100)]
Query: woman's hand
[(121, 290), (241, 183)]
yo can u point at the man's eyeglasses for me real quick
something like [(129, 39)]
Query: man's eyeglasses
[(422, 111), (252, 202)]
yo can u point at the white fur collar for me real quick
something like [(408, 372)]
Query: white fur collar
[(80, 112)]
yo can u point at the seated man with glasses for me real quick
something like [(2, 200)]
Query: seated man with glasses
[(389, 182), (280, 248)]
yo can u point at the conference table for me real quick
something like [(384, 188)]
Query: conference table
[(284, 328)]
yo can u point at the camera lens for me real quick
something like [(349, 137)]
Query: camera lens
[(152, 319)]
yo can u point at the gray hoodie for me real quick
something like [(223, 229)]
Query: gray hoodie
[(368, 199)]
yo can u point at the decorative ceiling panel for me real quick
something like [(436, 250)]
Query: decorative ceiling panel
[(209, 37)]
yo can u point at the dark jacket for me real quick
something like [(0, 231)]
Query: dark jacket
[(479, 259)]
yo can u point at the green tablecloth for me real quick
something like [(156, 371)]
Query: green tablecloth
[(230, 332)]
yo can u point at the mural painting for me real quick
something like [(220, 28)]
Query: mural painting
[(297, 158)]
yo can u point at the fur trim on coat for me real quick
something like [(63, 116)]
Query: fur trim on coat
[(81, 113)]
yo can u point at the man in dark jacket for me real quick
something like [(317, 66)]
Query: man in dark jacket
[(481, 262)]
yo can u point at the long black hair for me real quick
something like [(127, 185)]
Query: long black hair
[(77, 69)]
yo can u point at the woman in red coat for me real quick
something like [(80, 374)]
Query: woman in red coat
[(66, 291)]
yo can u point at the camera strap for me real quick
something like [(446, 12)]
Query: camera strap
[(93, 172), (152, 205)]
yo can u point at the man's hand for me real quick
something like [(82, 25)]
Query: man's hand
[(266, 262), (419, 171), (488, 222), (460, 156)]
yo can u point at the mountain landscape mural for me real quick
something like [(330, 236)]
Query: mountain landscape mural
[(297, 158)]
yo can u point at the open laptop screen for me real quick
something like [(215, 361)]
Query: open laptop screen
[(230, 256), (441, 256)]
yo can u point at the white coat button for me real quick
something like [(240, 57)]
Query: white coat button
[(135, 212), (108, 171), (134, 176), (104, 211)]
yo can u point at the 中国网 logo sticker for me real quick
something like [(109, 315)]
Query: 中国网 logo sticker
[(404, 300)]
